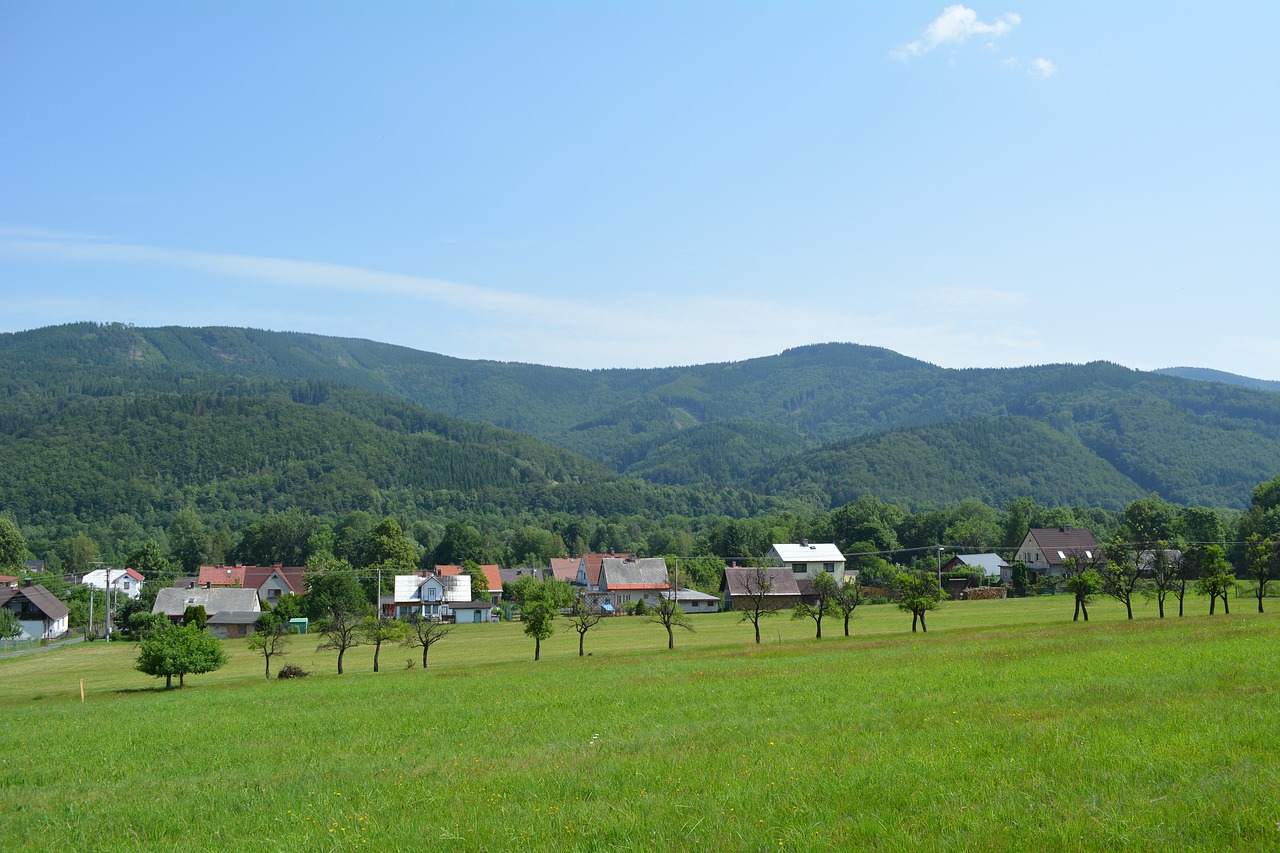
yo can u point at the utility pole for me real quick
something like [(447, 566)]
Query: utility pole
[(106, 605)]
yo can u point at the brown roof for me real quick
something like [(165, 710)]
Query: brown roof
[(41, 599), (740, 580), (1059, 543), (565, 568), (256, 576), (595, 561)]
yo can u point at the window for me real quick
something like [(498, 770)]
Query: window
[(829, 567), (126, 585), (800, 568), (273, 594)]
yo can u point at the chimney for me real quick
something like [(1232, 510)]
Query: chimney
[(804, 543), (208, 584)]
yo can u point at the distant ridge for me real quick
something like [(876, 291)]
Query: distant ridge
[(1207, 374), (821, 424)]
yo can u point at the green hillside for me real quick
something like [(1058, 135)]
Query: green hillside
[(1104, 432)]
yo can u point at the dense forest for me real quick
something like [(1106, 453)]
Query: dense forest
[(110, 432)]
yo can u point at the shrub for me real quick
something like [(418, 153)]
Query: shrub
[(642, 609), (292, 670)]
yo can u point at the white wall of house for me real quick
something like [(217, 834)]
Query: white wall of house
[(808, 560)]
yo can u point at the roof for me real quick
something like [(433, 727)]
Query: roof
[(472, 605), (643, 573), (594, 562), (565, 568), (221, 576), (408, 588), (172, 601), (1059, 543), (98, 577), (741, 580), (686, 594), (256, 576), (809, 552), (513, 575), (991, 564), (234, 617), (41, 599)]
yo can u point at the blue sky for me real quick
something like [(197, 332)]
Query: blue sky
[(603, 184)]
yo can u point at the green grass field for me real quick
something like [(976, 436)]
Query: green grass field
[(1006, 727)]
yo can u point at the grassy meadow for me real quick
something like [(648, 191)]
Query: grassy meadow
[(1006, 726)]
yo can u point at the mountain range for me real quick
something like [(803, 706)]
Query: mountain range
[(144, 418)]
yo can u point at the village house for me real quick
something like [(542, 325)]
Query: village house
[(173, 602), (693, 601), (589, 566), (492, 577), (629, 580), (40, 613), (1045, 550), (806, 559), (430, 596), (779, 584), (125, 581), (987, 565)]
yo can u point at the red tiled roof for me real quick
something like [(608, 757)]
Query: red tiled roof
[(221, 576), (565, 568), (595, 561)]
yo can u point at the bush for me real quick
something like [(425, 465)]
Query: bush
[(292, 670), (642, 609)]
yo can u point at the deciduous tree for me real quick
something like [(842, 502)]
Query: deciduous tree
[(269, 638), (920, 594), (824, 603), (668, 613), (424, 633), (582, 619), (848, 598), (181, 651), (756, 601), (1216, 579), (1264, 562), (377, 630)]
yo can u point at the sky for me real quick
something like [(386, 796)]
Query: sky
[(637, 184)]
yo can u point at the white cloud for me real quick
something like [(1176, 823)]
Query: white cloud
[(956, 25), (1042, 68)]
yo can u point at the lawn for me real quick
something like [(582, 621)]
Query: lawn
[(1006, 726)]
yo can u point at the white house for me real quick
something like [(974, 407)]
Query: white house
[(430, 596), (125, 581), (40, 613), (806, 559)]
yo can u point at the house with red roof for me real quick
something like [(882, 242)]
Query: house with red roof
[(125, 581), (1045, 550), (628, 580)]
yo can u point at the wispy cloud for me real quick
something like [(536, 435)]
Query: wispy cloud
[(1043, 68), (282, 271), (956, 25)]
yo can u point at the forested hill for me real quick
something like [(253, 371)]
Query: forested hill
[(824, 421), (1204, 374)]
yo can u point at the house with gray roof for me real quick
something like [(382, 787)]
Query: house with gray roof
[(42, 615), (631, 579), (173, 602)]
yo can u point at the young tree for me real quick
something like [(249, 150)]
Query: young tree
[(1083, 586), (668, 613), (425, 633), (538, 615), (825, 592), (848, 598), (1216, 578), (269, 638), (1164, 565), (1264, 561), (196, 616), (1120, 577), (756, 600), (10, 625), (377, 630), (920, 594), (341, 629), (582, 619), (181, 651)]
